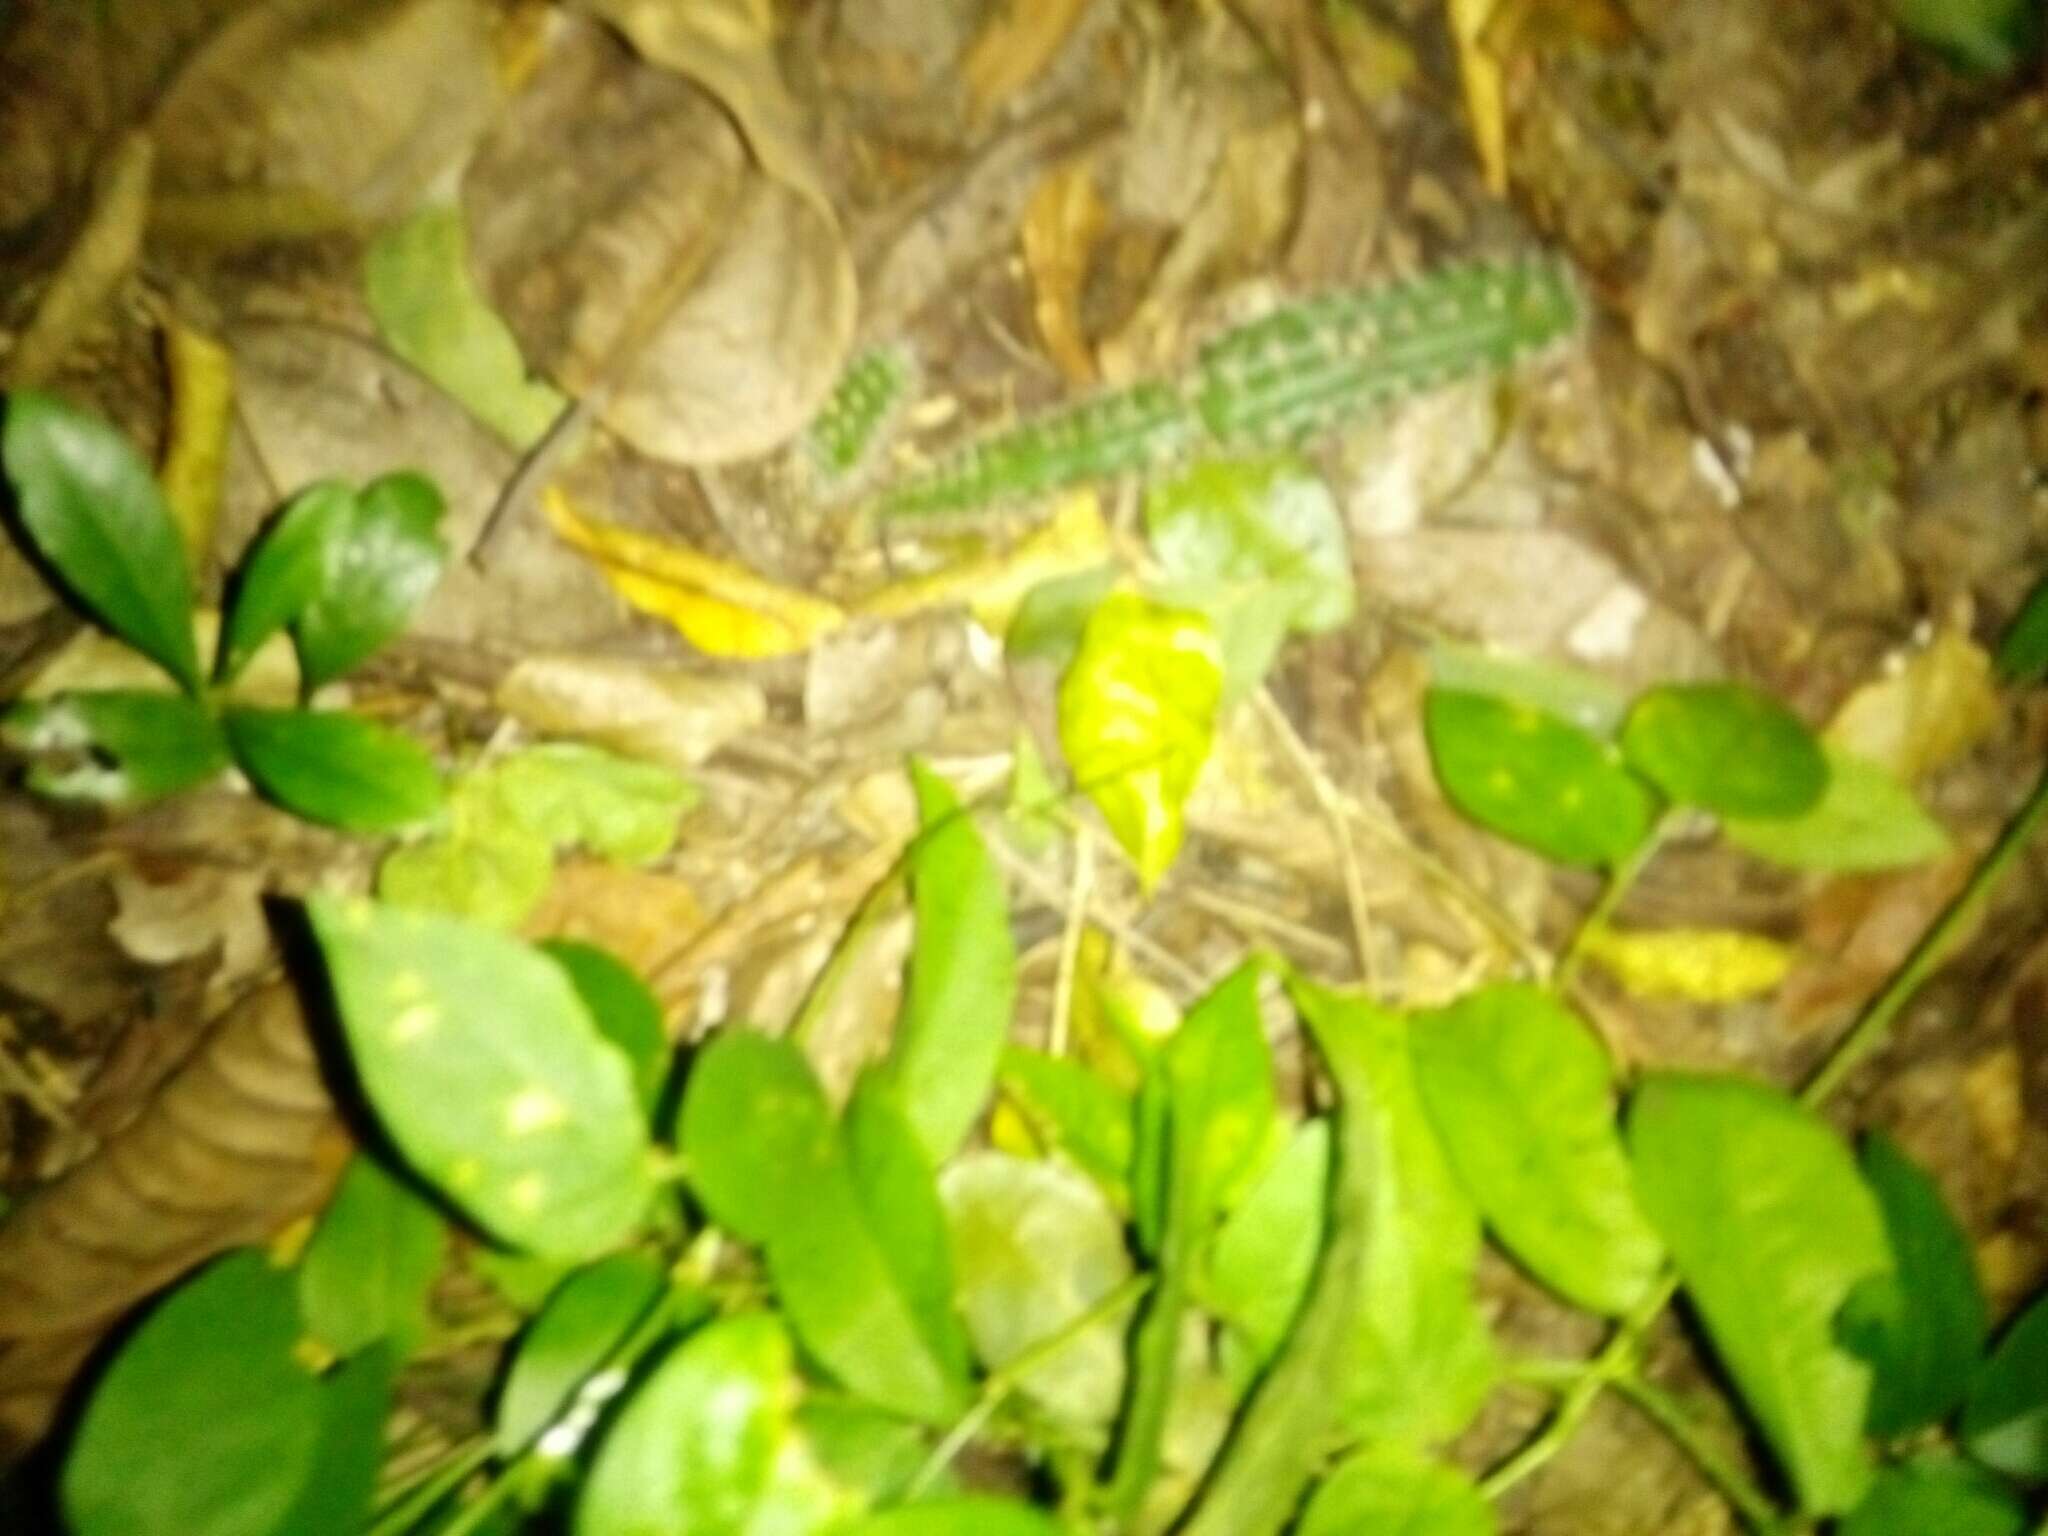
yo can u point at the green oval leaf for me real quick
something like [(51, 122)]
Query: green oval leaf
[(1389, 1488), (623, 1008), (694, 1448), (2023, 651), (373, 1257), (569, 793), (204, 1423), (756, 1131), (1923, 1328), (1034, 1247), (1137, 716), (955, 1517), (1725, 748), (1261, 1259), (285, 572), (584, 1319), (1074, 1111), (332, 767), (1864, 820), (1256, 544), (116, 747), (1934, 1495), (489, 1074), (355, 1400), (962, 985), (1519, 1093), (94, 512), (1535, 780), (2005, 1420), (381, 562), (1770, 1227)]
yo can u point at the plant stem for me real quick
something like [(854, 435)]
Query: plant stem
[(473, 1514), (1620, 881), (1006, 1378), (1927, 955), (418, 1501), (1670, 1415)]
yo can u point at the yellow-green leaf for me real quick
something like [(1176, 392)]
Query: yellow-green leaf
[(1700, 965)]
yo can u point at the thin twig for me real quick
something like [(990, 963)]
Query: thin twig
[(1070, 940), (1331, 805)]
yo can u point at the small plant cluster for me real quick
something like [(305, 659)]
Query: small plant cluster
[(1304, 369), (341, 569), (1166, 1298)]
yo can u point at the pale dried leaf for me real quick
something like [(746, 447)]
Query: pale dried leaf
[(1062, 224), (199, 907), (1017, 44), (1937, 705), (648, 709)]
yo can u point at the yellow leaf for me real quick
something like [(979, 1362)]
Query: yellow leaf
[(1062, 222), (1700, 965), (1076, 539), (1009, 1131), (1485, 96), (1927, 714), (202, 409), (722, 608), (1020, 40)]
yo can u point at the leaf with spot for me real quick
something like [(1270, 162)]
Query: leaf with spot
[(1534, 779), (1725, 748), (1922, 1328), (1770, 1227), (579, 1328), (115, 747), (1571, 694), (332, 767), (1137, 716), (490, 1075), (694, 1448), (1036, 1246), (92, 509), (367, 1270), (962, 984), (1392, 1488)]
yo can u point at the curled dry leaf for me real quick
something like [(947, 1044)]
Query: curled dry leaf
[(646, 709), (1062, 224), (296, 117), (706, 301), (241, 1141)]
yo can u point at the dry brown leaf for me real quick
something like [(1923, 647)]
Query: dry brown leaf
[(98, 262), (199, 906), (1062, 224), (639, 915), (1018, 43), (648, 709), (241, 1141), (1938, 705), (1859, 930)]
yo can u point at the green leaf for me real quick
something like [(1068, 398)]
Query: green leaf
[(569, 793), (1424, 1360), (285, 572), (1991, 37), (1393, 1489), (1035, 1246), (1048, 623), (861, 1447), (381, 562), (204, 1424), (366, 1273), (490, 1075), (1219, 1073), (2005, 1420), (428, 310), (1571, 694), (1256, 544), (1260, 1262), (692, 1452), (95, 514), (1535, 780), (355, 1400), (496, 877), (1137, 716), (623, 1009), (955, 1517), (1936, 1495), (2023, 651), (1864, 820), (115, 747), (332, 767), (769, 1165), (1923, 1328), (1520, 1095), (1725, 748), (1074, 1111), (1770, 1227), (962, 984), (583, 1321)]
